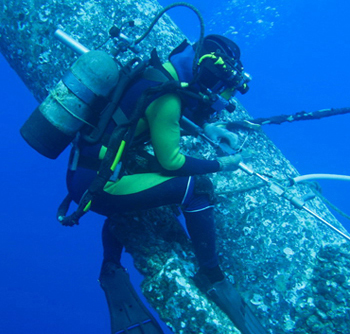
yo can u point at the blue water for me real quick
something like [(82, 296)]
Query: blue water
[(298, 54)]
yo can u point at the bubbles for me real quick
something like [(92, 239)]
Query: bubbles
[(245, 21)]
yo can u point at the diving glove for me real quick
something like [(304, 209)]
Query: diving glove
[(230, 162), (220, 134)]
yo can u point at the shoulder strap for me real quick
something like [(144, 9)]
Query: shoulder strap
[(128, 73), (157, 64)]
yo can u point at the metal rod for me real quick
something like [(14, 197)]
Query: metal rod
[(274, 186), (70, 42), (277, 188), (325, 222)]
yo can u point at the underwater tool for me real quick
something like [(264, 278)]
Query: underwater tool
[(311, 177), (298, 202), (255, 124)]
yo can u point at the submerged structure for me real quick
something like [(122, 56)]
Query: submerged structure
[(292, 269)]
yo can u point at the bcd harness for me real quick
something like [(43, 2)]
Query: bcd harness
[(121, 138)]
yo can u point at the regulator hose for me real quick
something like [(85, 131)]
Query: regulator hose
[(161, 13)]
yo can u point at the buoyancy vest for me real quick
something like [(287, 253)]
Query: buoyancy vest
[(89, 157), (182, 60), (151, 77), (81, 175)]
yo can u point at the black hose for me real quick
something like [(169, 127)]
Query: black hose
[(179, 4)]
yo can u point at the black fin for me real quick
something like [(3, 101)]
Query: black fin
[(228, 299), (127, 311)]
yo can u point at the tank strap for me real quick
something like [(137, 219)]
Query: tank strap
[(94, 101), (154, 74), (119, 117)]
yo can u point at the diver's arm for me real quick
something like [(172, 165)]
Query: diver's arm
[(163, 117)]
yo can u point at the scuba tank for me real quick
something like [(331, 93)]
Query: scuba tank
[(77, 100)]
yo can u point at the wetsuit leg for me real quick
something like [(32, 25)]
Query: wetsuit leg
[(199, 214), (172, 191), (200, 226), (198, 211), (112, 247)]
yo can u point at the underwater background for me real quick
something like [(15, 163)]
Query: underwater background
[(298, 55)]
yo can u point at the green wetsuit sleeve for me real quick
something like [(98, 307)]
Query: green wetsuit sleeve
[(163, 117)]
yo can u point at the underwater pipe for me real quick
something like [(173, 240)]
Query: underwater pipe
[(279, 257)]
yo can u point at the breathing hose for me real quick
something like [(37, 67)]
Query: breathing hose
[(161, 13)]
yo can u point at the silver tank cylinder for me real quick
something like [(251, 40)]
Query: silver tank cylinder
[(77, 100)]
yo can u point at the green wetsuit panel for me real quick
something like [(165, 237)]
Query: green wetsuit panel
[(162, 116)]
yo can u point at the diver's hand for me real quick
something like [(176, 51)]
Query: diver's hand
[(230, 162), (219, 134)]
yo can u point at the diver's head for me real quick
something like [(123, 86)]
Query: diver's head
[(219, 67)]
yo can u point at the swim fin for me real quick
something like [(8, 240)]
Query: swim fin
[(127, 312), (229, 300)]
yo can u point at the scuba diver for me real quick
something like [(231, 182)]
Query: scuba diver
[(107, 114), (151, 106), (178, 179)]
